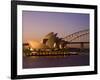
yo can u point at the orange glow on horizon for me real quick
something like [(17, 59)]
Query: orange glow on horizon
[(36, 44)]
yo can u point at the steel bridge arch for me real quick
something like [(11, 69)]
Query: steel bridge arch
[(76, 35)]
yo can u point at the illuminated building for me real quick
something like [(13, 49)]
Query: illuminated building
[(52, 41)]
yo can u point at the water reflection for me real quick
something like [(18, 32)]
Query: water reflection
[(55, 61)]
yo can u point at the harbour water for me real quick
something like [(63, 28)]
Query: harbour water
[(55, 61)]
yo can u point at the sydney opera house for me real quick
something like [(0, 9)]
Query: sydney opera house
[(50, 41)]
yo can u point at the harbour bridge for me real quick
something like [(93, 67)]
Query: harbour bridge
[(81, 38)]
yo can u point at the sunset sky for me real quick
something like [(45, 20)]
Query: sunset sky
[(37, 24)]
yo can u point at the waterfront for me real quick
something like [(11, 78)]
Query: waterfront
[(55, 39), (55, 61)]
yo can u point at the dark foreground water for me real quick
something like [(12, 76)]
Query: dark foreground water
[(55, 61)]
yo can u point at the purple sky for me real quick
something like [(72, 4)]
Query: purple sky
[(37, 24)]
